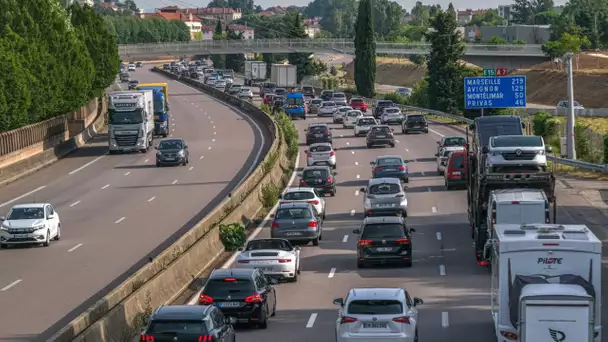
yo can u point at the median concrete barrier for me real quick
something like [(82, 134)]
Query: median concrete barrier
[(116, 317)]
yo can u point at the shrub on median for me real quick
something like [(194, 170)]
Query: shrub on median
[(270, 195), (233, 235)]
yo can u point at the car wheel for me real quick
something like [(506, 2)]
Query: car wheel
[(407, 180), (324, 215), (408, 263), (404, 213), (293, 280), (416, 336), (3, 246), (392, 145), (369, 145), (157, 164), (58, 236), (47, 242), (315, 242), (274, 309), (263, 324)]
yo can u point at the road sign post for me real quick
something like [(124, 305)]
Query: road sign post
[(495, 92)]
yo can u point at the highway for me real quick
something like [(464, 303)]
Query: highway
[(454, 289), (116, 211)]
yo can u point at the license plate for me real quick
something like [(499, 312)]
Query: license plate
[(374, 325), (228, 304), (169, 159), (381, 136), (319, 135), (293, 234), (265, 269), (384, 249), (262, 262), (385, 205), (390, 170), (456, 173), (19, 236)]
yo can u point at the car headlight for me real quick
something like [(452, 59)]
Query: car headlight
[(39, 227), (181, 153), (158, 153)]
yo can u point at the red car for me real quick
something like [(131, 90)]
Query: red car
[(268, 98), (356, 103), (455, 172)]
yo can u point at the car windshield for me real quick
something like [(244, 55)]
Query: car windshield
[(389, 161), (298, 195), (228, 286), (384, 189), (383, 231), (523, 141), (344, 109), (279, 91), (375, 307), (178, 327), (328, 104), (457, 161), (244, 90), (298, 101), (366, 122), (317, 129), (236, 86), (339, 95), (392, 111), (26, 214), (320, 148), (170, 145), (308, 89), (316, 101), (380, 130), (416, 118), (356, 101), (454, 141), (315, 174), (385, 103), (293, 214), (268, 244), (354, 113)]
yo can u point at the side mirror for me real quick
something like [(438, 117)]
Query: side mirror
[(372, 163), (335, 173), (438, 143), (185, 146), (362, 189), (339, 302), (240, 249), (271, 215), (549, 149), (51, 216), (436, 154), (305, 151), (418, 301), (156, 147), (273, 281), (299, 174), (231, 320), (297, 248), (357, 231), (413, 230), (484, 149)]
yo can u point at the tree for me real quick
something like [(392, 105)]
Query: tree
[(487, 18), (444, 69), (522, 12), (300, 60), (134, 30), (566, 43), (234, 61), (496, 41), (365, 50), (219, 61), (421, 14)]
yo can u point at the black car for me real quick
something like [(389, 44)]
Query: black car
[(187, 323), (172, 151), (133, 84), (326, 95), (194, 75), (414, 123), (318, 133), (384, 240), (321, 178), (245, 294), (381, 104), (166, 67), (139, 65), (380, 135), (308, 91)]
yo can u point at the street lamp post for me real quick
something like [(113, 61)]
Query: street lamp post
[(570, 128)]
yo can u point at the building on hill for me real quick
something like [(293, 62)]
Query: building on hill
[(466, 16), (173, 13), (247, 32), (225, 15)]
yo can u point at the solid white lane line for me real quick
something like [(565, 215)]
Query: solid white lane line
[(22, 196), (439, 236), (345, 238), (434, 209), (75, 247), (201, 157), (7, 287), (75, 203), (191, 168), (332, 272), (311, 320), (209, 147), (356, 163), (352, 212), (105, 186), (174, 182), (147, 160), (445, 322), (358, 176), (441, 270), (397, 141), (120, 220), (128, 173), (356, 192), (85, 165), (152, 198)]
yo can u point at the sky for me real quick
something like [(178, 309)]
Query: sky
[(150, 5)]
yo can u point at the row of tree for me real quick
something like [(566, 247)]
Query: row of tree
[(130, 29), (53, 60)]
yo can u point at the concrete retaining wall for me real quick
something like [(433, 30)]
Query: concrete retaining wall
[(114, 318)]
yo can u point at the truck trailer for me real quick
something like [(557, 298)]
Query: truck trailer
[(130, 121), (161, 106), (284, 75), (546, 283), (255, 72)]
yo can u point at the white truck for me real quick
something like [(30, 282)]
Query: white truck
[(130, 121), (255, 72), (546, 283), (284, 75)]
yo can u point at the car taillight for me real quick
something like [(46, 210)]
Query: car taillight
[(329, 180), (147, 338), (379, 168), (205, 338), (347, 319), (312, 224), (332, 153), (403, 241), (310, 155), (244, 261), (365, 242), (283, 261), (204, 299), (275, 225), (401, 168), (403, 319), (315, 202), (302, 182), (254, 299), (509, 335), (326, 132)]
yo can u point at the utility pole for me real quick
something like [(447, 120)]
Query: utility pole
[(570, 128)]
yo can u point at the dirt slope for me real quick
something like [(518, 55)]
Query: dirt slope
[(393, 71)]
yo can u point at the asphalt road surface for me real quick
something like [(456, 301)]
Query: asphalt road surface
[(454, 289), (118, 210)]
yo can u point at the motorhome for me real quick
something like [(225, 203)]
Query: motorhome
[(546, 283)]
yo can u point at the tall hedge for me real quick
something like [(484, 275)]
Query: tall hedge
[(52, 63)]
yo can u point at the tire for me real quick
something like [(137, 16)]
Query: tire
[(111, 152), (292, 280), (369, 145), (333, 193), (407, 180), (315, 242), (3, 246), (391, 145), (58, 236), (274, 309), (157, 164), (47, 242), (263, 324), (404, 213)]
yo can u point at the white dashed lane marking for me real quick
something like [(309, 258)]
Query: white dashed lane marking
[(74, 204), (75, 247), (105, 186), (152, 199), (120, 220)]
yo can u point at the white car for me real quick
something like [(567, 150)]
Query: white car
[(275, 257), (327, 108), (444, 155), (564, 105), (364, 124), (245, 93), (377, 314), (391, 115), (321, 154), (339, 114), (220, 85), (210, 82), (131, 67), (350, 118), (302, 194), (35, 223)]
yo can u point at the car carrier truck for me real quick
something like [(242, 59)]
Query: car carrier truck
[(130, 121), (546, 283), (486, 175)]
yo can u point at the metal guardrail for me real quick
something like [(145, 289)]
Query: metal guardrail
[(342, 45), (568, 162)]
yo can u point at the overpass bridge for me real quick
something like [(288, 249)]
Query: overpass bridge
[(498, 56)]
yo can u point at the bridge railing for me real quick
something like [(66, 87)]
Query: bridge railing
[(564, 161), (340, 44)]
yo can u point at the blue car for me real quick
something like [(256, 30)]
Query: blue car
[(390, 166)]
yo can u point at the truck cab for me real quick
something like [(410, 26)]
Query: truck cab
[(130, 121)]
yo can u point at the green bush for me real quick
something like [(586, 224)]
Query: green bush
[(546, 126), (290, 133), (396, 98), (605, 148), (270, 195), (581, 141), (233, 235)]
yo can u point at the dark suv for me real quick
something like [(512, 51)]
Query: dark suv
[(245, 294), (318, 133), (321, 178), (380, 105), (380, 135), (189, 323), (308, 91), (384, 240), (326, 95), (414, 123)]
